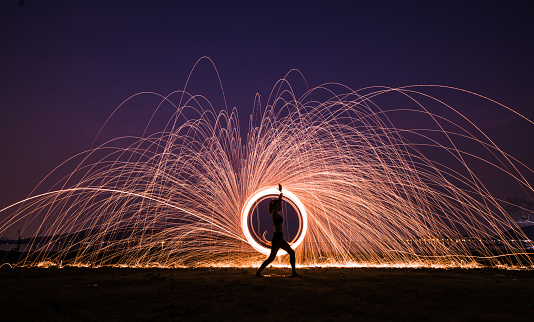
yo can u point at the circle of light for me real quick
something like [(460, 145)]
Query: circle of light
[(263, 193)]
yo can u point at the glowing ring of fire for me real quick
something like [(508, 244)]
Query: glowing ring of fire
[(273, 191)]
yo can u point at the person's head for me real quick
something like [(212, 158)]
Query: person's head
[(275, 206)]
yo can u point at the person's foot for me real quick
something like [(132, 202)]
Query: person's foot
[(295, 275)]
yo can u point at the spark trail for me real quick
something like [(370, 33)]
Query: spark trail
[(369, 193)]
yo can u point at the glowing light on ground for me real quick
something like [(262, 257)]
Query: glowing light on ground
[(368, 192)]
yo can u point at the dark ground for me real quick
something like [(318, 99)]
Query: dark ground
[(112, 294)]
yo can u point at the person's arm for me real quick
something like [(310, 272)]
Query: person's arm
[(280, 197)]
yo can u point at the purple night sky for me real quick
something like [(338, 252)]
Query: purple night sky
[(66, 65)]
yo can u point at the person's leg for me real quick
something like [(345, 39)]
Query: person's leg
[(274, 249), (285, 246)]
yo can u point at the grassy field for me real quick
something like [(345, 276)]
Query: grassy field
[(111, 294)]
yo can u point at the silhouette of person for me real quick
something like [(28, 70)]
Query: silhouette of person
[(278, 238)]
